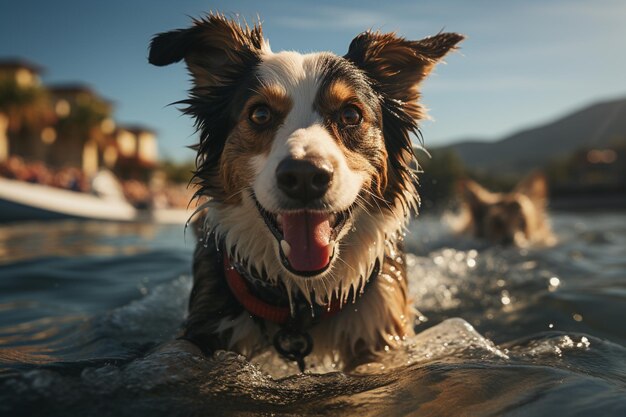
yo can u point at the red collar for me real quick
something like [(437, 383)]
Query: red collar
[(259, 308)]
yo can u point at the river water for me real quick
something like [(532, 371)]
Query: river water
[(88, 312)]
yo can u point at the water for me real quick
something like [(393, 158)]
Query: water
[(88, 312)]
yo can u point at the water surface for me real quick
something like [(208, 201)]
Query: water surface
[(88, 311)]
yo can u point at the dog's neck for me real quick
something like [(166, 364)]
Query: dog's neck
[(271, 301), (292, 340), (370, 237)]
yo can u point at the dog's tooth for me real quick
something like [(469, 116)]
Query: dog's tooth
[(333, 245), (285, 247), (332, 219)]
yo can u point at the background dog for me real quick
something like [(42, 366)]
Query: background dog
[(518, 217), (305, 161)]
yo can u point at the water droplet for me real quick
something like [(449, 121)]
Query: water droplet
[(554, 283), (505, 300), (584, 342)]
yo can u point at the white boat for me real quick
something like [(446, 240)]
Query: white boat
[(20, 200)]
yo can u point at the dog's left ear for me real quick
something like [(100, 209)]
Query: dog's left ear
[(398, 65), (535, 186)]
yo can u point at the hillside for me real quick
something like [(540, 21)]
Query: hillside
[(595, 126)]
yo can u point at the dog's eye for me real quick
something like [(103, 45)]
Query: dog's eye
[(350, 116), (260, 115)]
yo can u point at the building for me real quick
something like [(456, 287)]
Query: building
[(68, 125), (136, 153), (22, 108), (83, 128), (24, 73)]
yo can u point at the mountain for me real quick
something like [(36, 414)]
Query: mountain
[(598, 125)]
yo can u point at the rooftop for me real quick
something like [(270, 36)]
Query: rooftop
[(137, 128), (17, 63), (73, 89)]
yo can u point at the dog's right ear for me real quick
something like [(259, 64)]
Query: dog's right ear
[(214, 48), (169, 47), (475, 196)]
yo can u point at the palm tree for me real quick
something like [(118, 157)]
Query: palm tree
[(28, 110), (80, 127)]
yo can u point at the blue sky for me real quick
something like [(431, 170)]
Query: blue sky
[(524, 62)]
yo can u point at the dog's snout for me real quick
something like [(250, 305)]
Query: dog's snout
[(304, 179)]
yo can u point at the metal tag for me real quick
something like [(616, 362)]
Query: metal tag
[(293, 345)]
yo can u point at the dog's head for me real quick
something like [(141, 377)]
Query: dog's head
[(508, 218), (305, 157)]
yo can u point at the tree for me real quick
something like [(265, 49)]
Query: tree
[(81, 125), (27, 107), (29, 110)]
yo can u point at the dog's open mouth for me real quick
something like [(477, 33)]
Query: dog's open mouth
[(306, 238)]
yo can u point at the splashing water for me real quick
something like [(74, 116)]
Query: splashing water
[(90, 311)]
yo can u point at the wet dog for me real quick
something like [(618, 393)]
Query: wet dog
[(515, 218), (305, 161)]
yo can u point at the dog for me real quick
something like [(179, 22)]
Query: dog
[(516, 218), (304, 160)]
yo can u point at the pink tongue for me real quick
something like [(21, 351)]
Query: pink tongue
[(308, 235)]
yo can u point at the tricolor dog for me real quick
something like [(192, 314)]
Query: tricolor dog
[(304, 160)]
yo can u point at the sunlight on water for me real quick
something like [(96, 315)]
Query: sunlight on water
[(499, 331)]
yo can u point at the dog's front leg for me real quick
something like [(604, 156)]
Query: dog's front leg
[(210, 302)]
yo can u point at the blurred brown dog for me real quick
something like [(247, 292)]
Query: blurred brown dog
[(516, 218)]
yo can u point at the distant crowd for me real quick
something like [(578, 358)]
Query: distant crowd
[(138, 193), (38, 173)]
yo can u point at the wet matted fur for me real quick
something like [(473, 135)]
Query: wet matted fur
[(305, 164)]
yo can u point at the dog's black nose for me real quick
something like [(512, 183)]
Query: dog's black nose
[(304, 179)]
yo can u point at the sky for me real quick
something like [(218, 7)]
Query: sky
[(523, 63)]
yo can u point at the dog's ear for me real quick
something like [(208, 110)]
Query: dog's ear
[(475, 196), (214, 48), (535, 186), (398, 65)]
